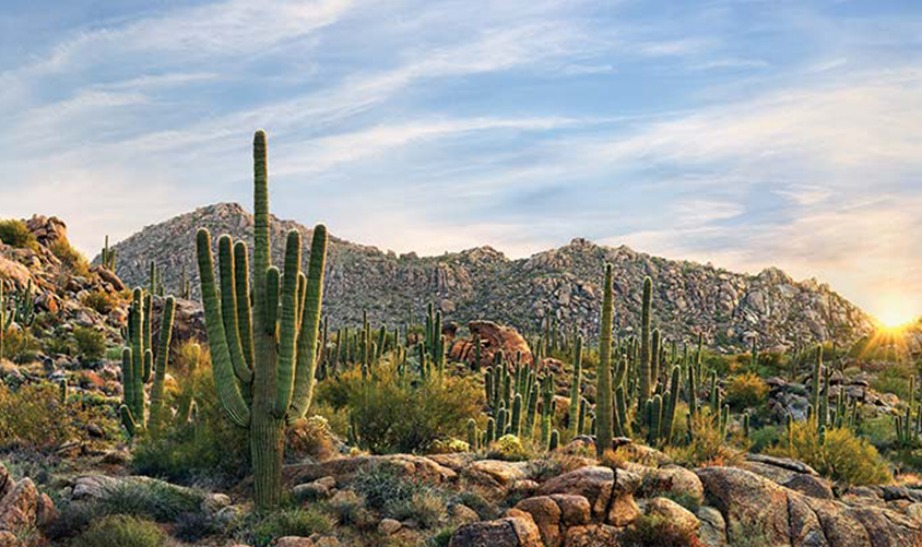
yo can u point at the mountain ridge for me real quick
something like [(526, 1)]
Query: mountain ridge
[(482, 282)]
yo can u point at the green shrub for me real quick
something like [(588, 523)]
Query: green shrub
[(707, 445), (156, 500), (290, 522), (192, 527), (20, 346), (33, 417), (121, 530), (393, 415), (207, 450), (441, 538), (655, 531), (101, 301), (765, 437), (15, 233), (91, 344), (71, 258), (894, 379), (841, 457), (510, 448), (400, 498), (59, 345), (746, 390), (426, 507)]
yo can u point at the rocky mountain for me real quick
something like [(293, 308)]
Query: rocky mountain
[(729, 308)]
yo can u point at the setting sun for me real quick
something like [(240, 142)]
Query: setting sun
[(895, 316)]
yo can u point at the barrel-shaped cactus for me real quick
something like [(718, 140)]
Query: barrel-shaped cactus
[(263, 388)]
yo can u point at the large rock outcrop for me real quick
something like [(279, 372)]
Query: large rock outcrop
[(564, 282)]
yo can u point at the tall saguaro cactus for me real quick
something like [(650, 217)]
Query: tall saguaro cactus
[(264, 352), (603, 411), (646, 351)]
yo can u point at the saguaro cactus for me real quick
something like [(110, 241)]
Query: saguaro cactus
[(574, 388), (138, 363), (646, 351), (604, 406), (263, 388)]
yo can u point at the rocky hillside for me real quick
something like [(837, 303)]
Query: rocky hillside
[(688, 297)]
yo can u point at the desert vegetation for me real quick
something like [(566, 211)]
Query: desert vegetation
[(132, 416)]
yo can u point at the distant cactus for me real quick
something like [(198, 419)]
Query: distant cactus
[(107, 257), (646, 350), (574, 427), (264, 390), (604, 405)]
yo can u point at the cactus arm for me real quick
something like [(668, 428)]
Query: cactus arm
[(222, 367), (127, 370), (284, 380), (127, 420), (163, 356), (307, 339), (262, 258), (226, 266), (146, 326), (242, 287), (302, 293), (273, 285)]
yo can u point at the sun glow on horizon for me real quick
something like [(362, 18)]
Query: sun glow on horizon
[(895, 313)]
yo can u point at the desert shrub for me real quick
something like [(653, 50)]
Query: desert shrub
[(121, 530), (101, 301), (426, 507), (841, 456), (310, 437), (73, 518), (348, 508), (71, 258), (192, 527), (290, 522), (20, 346), (34, 417), (59, 345), (707, 446), (894, 379), (390, 414), (746, 391), (207, 450), (472, 499), (653, 487), (15, 233), (400, 498), (441, 538), (159, 501), (655, 531), (449, 446), (510, 448), (552, 464), (91, 344), (764, 437)]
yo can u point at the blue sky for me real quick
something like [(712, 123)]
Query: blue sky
[(746, 133)]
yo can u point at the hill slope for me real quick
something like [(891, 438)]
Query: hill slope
[(688, 297)]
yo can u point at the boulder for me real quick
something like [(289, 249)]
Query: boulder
[(546, 514), (496, 473), (591, 535), (672, 512), (787, 517), (505, 532)]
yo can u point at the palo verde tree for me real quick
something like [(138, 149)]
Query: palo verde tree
[(264, 351)]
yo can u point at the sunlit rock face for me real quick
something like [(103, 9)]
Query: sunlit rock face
[(482, 283)]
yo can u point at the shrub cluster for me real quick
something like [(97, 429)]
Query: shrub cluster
[(390, 414)]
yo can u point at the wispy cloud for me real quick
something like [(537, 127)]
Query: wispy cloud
[(747, 134)]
